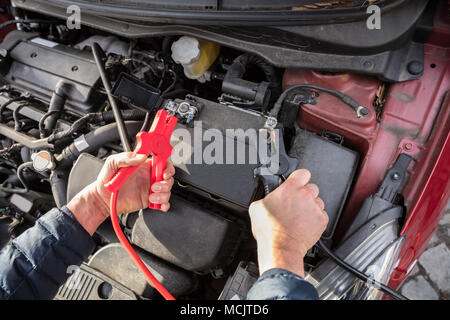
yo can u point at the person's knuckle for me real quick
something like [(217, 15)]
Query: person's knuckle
[(306, 193), (110, 159), (314, 187), (320, 203), (325, 218)]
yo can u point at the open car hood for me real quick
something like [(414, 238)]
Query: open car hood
[(232, 12)]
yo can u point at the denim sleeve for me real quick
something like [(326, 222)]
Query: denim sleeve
[(280, 284), (35, 265)]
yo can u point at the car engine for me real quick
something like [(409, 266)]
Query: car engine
[(57, 128)]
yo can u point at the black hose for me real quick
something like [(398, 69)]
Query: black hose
[(21, 179), (362, 276), (41, 126), (247, 59), (261, 93), (108, 117), (97, 51), (94, 140), (17, 124), (128, 115), (355, 105), (58, 182), (56, 106)]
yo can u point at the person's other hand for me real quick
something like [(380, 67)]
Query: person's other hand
[(91, 206), (287, 223)]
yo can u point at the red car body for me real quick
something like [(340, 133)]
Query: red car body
[(415, 121)]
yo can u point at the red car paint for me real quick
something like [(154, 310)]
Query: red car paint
[(5, 18), (415, 120)]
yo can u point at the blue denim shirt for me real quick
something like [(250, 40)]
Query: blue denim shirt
[(35, 265)]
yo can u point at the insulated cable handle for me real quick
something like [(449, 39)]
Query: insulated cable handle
[(156, 142), (159, 164), (123, 174)]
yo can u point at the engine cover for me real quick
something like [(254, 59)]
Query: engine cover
[(189, 236), (38, 65)]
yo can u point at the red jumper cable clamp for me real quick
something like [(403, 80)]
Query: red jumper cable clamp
[(156, 142)]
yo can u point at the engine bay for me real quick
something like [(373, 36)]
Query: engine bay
[(57, 128)]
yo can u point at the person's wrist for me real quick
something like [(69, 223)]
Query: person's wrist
[(90, 208), (272, 255)]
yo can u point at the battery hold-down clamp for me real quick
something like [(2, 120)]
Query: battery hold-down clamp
[(156, 142)]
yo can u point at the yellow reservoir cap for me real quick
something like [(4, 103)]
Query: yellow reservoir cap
[(195, 55)]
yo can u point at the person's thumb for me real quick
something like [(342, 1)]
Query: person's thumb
[(121, 160)]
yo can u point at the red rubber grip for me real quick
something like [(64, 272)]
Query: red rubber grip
[(121, 176), (157, 174)]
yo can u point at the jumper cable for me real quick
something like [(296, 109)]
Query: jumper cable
[(156, 142)]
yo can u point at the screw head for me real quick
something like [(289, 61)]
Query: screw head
[(395, 176), (271, 122), (415, 67)]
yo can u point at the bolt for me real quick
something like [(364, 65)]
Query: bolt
[(368, 64), (271, 122), (364, 112), (184, 107), (408, 146), (415, 67), (395, 176)]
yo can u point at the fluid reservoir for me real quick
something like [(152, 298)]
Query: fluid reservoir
[(195, 55)]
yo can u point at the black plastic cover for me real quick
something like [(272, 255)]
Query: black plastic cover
[(332, 168), (39, 65), (188, 236), (136, 93), (113, 261)]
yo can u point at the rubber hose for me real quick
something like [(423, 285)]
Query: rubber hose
[(57, 104), (108, 117), (58, 182), (96, 139), (240, 64)]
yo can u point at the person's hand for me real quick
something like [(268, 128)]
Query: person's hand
[(91, 206), (287, 223), (135, 195)]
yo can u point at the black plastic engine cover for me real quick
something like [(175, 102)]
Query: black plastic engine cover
[(38, 65), (189, 236), (113, 261)]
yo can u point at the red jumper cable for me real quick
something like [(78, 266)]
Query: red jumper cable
[(156, 142)]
